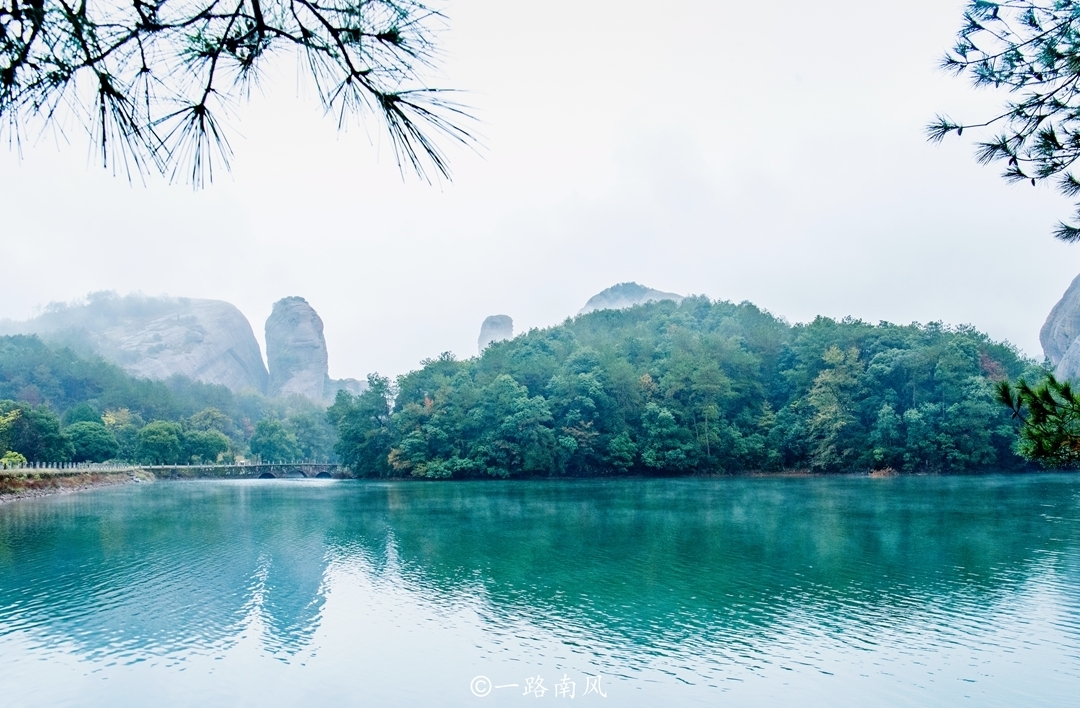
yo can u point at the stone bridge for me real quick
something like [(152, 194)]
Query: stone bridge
[(294, 470)]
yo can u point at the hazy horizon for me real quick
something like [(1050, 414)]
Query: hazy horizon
[(774, 155)]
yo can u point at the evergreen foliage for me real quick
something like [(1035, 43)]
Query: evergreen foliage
[(82, 413), (211, 422), (363, 428), (34, 433), (1050, 420), (696, 387), (159, 443), (151, 80), (1032, 49), (11, 460), (204, 446), (273, 442), (91, 442), (32, 371)]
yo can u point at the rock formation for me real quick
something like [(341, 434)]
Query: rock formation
[(1060, 335), (625, 295), (157, 337), (296, 350), (1062, 326), (495, 329)]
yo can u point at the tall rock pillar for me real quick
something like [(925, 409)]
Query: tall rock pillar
[(495, 329), (296, 350)]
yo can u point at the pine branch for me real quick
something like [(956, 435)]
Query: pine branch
[(165, 72)]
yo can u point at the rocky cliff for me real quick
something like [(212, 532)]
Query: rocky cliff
[(624, 295), (157, 337), (1061, 330), (495, 328), (296, 350)]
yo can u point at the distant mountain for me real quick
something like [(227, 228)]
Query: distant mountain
[(496, 328), (157, 337), (624, 295)]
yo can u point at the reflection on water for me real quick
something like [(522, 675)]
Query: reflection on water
[(905, 591), (163, 573)]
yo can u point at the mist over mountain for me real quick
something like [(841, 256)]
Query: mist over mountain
[(157, 337), (296, 349), (625, 295), (209, 341), (495, 328)]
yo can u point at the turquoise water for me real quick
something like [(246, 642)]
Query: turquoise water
[(927, 591)]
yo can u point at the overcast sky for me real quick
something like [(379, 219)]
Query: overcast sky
[(744, 151)]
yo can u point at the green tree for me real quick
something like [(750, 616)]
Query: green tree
[(667, 447), (887, 437), (125, 427), (92, 442), (273, 442), (694, 387), (207, 436), (1049, 416), (518, 437), (36, 433), (363, 425), (151, 79), (159, 443), (7, 420), (81, 413), (11, 459), (622, 452), (314, 435), (204, 446), (210, 419), (1030, 48), (833, 397)]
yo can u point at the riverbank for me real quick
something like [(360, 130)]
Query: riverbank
[(38, 482), (30, 483)]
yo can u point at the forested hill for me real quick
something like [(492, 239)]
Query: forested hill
[(59, 406), (695, 387)]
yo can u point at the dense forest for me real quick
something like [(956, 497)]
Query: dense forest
[(58, 406), (699, 387)]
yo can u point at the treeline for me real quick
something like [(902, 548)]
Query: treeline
[(57, 406), (660, 389), (696, 387)]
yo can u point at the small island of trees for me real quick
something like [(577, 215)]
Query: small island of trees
[(699, 387)]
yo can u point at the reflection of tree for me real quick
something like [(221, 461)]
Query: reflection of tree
[(638, 568), (723, 562), (176, 569)]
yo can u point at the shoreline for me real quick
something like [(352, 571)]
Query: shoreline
[(39, 484), (36, 484), (31, 483)]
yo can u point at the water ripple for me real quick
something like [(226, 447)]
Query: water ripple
[(921, 592)]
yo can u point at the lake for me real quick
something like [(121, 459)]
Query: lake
[(846, 591)]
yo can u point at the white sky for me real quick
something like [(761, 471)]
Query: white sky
[(745, 151)]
